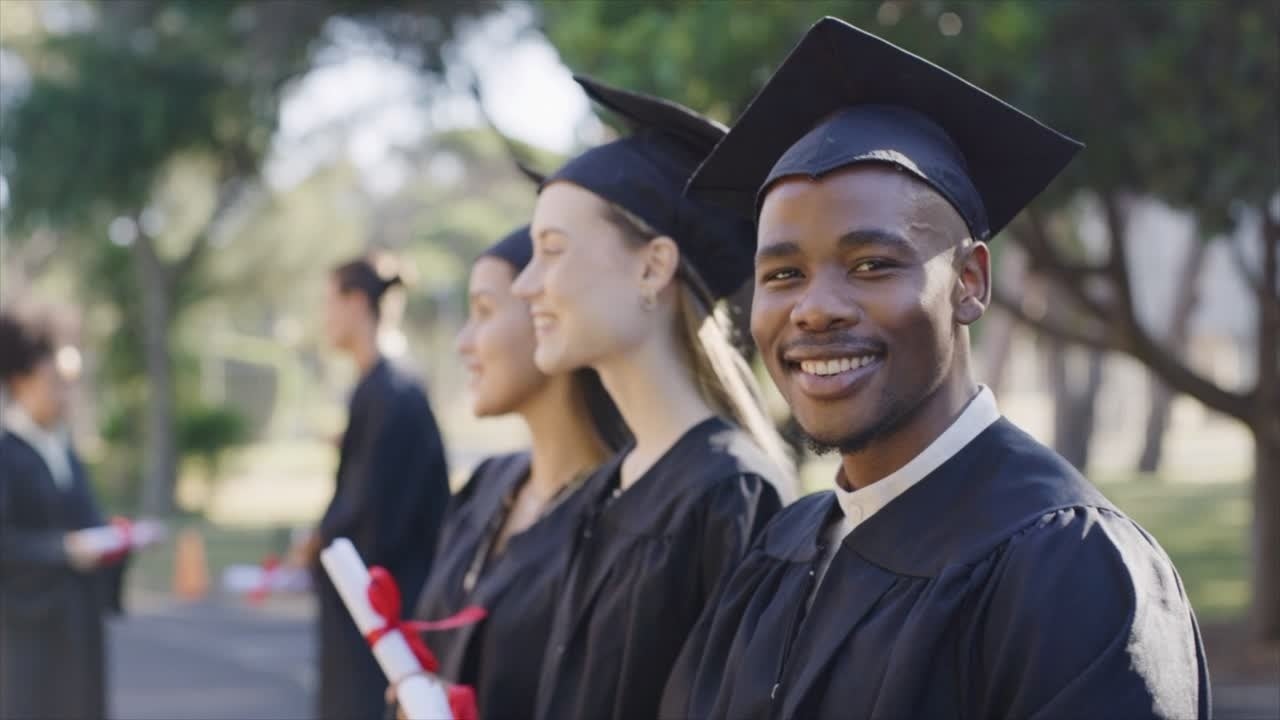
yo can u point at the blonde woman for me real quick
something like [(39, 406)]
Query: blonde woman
[(624, 279)]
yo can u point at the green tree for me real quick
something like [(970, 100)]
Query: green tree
[(147, 85), (1176, 101), (207, 432)]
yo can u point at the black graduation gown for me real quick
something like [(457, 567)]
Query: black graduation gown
[(501, 656), (644, 566), (1002, 585), (52, 654), (392, 490)]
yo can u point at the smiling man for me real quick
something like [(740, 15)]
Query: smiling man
[(959, 569)]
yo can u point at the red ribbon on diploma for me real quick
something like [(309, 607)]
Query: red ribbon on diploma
[(125, 528), (384, 596), (269, 566), (462, 703)]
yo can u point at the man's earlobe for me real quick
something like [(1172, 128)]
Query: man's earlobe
[(974, 285)]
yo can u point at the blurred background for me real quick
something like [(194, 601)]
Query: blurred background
[(178, 176)]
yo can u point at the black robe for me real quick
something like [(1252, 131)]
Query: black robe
[(1002, 585), (646, 562), (52, 654), (501, 656), (390, 498)]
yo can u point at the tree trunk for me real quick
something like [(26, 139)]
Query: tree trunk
[(160, 466), (1074, 402), (1157, 425), (997, 342), (1074, 393), (1266, 432), (997, 335), (1186, 297), (1266, 533)]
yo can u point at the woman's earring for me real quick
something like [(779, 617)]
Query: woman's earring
[(648, 301)]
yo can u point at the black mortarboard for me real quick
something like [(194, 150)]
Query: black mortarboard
[(516, 248), (844, 96), (645, 173)]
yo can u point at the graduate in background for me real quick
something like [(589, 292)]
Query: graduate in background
[(505, 539), (960, 569), (624, 278), (54, 590), (391, 493)]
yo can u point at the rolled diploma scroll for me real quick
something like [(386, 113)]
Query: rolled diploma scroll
[(420, 693), (248, 578), (107, 539)]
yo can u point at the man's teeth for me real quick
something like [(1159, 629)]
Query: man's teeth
[(833, 367)]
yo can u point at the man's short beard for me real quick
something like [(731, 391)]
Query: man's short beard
[(898, 411)]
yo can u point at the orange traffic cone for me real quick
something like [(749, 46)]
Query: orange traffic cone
[(190, 569)]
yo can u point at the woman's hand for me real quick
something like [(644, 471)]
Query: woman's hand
[(392, 702)]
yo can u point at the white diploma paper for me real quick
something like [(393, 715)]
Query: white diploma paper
[(254, 578), (421, 694), (107, 539)]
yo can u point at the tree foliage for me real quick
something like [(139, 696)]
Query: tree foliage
[(1175, 100), (115, 105)]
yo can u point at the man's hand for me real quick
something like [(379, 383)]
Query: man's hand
[(82, 557)]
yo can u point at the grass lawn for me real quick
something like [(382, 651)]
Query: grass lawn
[(1204, 527)]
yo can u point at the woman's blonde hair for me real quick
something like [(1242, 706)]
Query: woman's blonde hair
[(723, 375)]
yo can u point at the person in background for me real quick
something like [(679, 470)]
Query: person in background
[(958, 568), (391, 492), (503, 546), (624, 280), (54, 589)]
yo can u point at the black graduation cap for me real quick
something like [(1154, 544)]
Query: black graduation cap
[(516, 248), (844, 96), (645, 173)]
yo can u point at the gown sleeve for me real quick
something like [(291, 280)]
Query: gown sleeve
[(24, 549), (455, 513), (409, 482), (359, 484), (110, 577), (735, 515), (1088, 619)]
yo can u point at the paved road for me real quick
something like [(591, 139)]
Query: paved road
[(211, 661), (220, 660), (1246, 702)]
